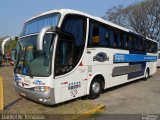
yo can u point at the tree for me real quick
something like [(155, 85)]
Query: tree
[(10, 45), (117, 15), (142, 17)]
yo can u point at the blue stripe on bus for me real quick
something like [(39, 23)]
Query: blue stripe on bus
[(124, 58)]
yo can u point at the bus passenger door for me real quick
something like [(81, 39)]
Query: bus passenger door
[(70, 80), (70, 77)]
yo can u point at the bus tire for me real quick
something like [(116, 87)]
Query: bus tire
[(95, 88), (146, 74)]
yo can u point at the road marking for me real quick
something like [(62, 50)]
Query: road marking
[(1, 94)]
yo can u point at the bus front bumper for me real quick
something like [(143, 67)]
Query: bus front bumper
[(41, 97)]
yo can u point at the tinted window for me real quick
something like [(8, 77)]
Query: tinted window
[(76, 26), (130, 42), (117, 42), (70, 44), (36, 25), (98, 34), (64, 61)]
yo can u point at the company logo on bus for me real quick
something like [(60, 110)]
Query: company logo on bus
[(38, 82), (101, 57), (119, 58)]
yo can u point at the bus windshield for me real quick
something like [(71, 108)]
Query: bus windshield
[(35, 25), (31, 62)]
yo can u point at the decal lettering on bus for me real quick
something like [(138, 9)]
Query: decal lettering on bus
[(90, 69), (38, 82), (119, 57), (73, 88), (134, 58)]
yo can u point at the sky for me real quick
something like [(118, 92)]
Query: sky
[(13, 13)]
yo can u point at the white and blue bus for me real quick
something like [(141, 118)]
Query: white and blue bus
[(65, 54)]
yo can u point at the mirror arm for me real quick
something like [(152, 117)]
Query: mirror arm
[(5, 41), (42, 34)]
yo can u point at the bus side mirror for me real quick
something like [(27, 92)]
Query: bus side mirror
[(6, 40), (42, 34)]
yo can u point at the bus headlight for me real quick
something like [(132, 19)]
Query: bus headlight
[(41, 88)]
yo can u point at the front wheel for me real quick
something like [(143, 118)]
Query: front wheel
[(95, 88), (146, 75)]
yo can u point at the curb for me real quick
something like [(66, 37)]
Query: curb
[(87, 114), (1, 94)]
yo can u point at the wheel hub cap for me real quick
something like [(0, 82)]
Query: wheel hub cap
[(96, 87)]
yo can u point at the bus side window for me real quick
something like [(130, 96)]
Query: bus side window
[(149, 46), (95, 35), (153, 47), (98, 35), (107, 35), (129, 39), (136, 43), (133, 43), (94, 38), (127, 44), (117, 42), (144, 45), (141, 44), (122, 39), (64, 61), (111, 40), (104, 36), (75, 26)]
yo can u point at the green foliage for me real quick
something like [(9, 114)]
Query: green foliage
[(9, 46)]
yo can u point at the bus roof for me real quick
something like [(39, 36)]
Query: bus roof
[(71, 11)]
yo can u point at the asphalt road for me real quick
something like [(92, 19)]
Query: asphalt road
[(138, 97)]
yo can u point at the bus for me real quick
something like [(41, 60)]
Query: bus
[(65, 54), (158, 61), (4, 55), (13, 55)]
